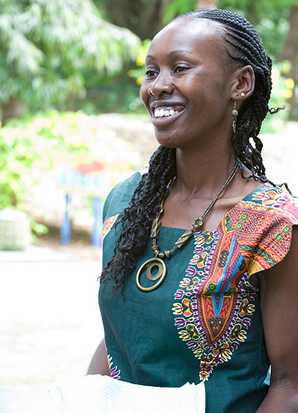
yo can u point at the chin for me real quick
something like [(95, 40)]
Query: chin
[(175, 142), (168, 140)]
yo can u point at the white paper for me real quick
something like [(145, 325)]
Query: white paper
[(100, 394)]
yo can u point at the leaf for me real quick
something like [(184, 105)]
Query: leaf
[(48, 47)]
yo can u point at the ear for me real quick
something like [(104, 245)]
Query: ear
[(243, 83)]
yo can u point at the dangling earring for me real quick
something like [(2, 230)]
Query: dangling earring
[(234, 116)]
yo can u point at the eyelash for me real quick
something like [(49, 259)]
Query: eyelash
[(150, 72), (181, 67)]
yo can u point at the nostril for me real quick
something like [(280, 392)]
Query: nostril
[(161, 87)]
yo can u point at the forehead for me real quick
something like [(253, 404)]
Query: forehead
[(192, 35)]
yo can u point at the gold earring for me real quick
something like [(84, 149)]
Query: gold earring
[(234, 116), (242, 94)]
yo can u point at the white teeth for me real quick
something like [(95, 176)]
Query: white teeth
[(164, 111)]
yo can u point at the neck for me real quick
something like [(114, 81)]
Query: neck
[(202, 173)]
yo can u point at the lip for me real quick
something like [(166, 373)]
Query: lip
[(159, 103), (166, 121)]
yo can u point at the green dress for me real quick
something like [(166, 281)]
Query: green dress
[(204, 321)]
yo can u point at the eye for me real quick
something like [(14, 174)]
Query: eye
[(150, 73), (180, 68)]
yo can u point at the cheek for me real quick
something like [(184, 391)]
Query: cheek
[(209, 103), (143, 93), (206, 87)]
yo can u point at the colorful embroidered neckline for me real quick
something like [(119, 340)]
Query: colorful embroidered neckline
[(215, 301)]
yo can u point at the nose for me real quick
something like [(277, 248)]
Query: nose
[(162, 84)]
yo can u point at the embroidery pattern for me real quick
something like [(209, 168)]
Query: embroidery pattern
[(114, 371), (265, 236), (214, 303), (107, 225)]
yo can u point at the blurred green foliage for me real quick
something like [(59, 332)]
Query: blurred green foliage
[(138, 72), (51, 50), (282, 91), (269, 16), (45, 144), (62, 54), (177, 7), (30, 146)]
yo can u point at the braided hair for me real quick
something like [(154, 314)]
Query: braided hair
[(245, 47)]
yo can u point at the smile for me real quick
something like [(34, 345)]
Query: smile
[(164, 115)]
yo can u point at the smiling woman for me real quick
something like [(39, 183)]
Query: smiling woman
[(195, 64), (200, 253)]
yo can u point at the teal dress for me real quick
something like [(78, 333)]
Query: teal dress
[(204, 321)]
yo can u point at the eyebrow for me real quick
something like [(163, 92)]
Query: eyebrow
[(173, 53)]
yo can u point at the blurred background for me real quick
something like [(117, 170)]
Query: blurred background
[(72, 126)]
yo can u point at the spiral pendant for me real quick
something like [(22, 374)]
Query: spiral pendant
[(153, 269)]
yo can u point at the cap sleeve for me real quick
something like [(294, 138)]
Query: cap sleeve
[(264, 229), (117, 200)]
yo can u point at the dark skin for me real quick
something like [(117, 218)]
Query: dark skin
[(187, 65), (279, 288)]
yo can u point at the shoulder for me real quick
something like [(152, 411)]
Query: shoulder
[(270, 204), (263, 223), (118, 199), (120, 196)]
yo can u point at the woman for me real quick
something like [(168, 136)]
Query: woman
[(199, 274)]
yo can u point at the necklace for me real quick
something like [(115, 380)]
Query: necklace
[(155, 268)]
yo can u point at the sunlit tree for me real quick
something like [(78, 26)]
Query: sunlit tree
[(47, 47), (290, 52)]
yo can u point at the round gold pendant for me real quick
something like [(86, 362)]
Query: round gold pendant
[(147, 268)]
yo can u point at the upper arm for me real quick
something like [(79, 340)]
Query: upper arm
[(99, 363), (279, 287)]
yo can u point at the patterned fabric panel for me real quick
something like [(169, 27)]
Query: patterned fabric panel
[(214, 302), (263, 226), (107, 225), (115, 373)]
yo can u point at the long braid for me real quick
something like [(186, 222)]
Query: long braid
[(136, 219), (243, 46)]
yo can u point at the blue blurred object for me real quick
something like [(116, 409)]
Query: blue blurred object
[(65, 232), (83, 180), (96, 230)]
